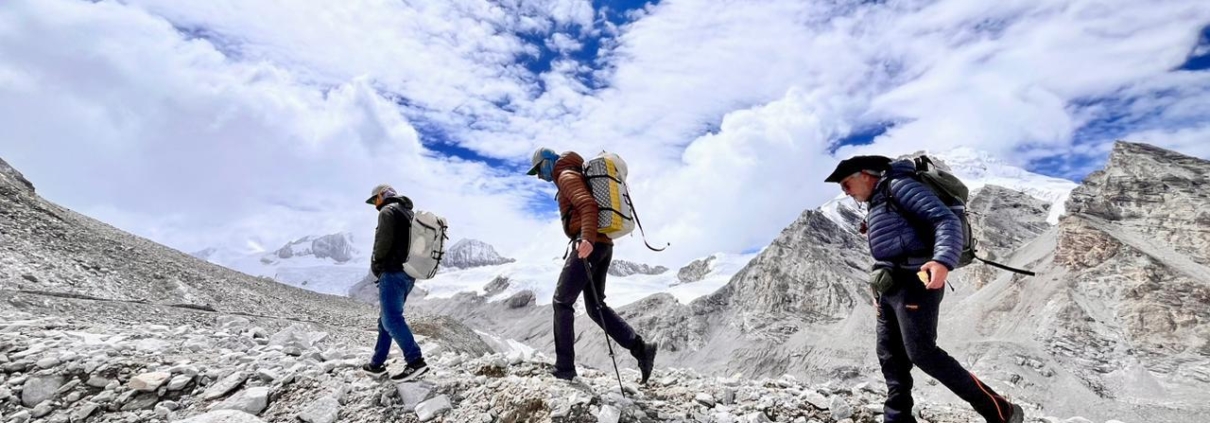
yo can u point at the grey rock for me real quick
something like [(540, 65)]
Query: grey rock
[(40, 388), (251, 401), (105, 397), (179, 382), (840, 408), (496, 286), (728, 396), (42, 409), (267, 375), (47, 363), (73, 397), (223, 416), (432, 408), (162, 412), (325, 410), (142, 401), (84, 411), (412, 394), (294, 340), (609, 414), (225, 386), (148, 382), (521, 299), (816, 399), (67, 387)]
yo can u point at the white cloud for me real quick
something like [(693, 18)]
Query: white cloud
[(563, 43), (171, 139), (274, 119)]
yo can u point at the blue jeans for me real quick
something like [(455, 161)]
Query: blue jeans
[(393, 290)]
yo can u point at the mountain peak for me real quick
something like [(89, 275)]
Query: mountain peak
[(10, 173), (469, 253), (627, 268), (337, 246)]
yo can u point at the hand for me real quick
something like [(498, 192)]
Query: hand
[(584, 249), (937, 274)]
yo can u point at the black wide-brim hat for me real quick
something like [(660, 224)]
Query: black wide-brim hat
[(856, 164)]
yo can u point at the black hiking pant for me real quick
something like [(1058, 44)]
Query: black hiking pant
[(907, 336), (572, 282)]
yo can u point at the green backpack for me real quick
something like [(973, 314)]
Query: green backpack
[(956, 195)]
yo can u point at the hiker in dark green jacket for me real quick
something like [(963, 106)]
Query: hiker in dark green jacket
[(391, 241)]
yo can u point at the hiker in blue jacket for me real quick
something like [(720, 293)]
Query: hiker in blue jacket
[(911, 230)]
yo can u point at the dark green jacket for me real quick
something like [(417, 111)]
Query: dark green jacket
[(393, 236)]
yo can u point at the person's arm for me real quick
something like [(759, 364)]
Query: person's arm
[(921, 204), (573, 184), (384, 237)]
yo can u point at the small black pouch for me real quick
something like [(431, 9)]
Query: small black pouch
[(881, 281)]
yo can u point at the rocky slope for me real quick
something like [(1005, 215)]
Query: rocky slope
[(1002, 220), (233, 369), (81, 302)]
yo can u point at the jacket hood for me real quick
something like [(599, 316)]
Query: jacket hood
[(569, 161), (402, 200)]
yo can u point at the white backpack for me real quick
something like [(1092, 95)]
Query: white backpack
[(427, 245)]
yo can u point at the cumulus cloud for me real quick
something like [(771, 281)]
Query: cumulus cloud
[(170, 138), (252, 121)]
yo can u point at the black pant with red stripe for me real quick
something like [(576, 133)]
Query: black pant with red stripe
[(907, 336)]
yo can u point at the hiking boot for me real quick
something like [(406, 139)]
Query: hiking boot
[(412, 371), (374, 370), (563, 374), (646, 356), (1017, 416)]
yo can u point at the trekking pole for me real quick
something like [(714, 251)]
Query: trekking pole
[(592, 284)]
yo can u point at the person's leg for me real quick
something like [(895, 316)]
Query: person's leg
[(918, 316), (382, 347), (571, 283), (393, 287), (893, 358), (618, 329)]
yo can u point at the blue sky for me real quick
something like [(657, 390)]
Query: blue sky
[(277, 128)]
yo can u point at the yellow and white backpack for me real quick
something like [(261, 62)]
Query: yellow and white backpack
[(605, 176)]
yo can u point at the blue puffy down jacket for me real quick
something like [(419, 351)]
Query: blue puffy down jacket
[(916, 228)]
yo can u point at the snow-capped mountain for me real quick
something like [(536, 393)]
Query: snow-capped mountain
[(541, 278), (627, 268), (338, 247), (315, 263), (978, 169), (470, 253), (327, 264)]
